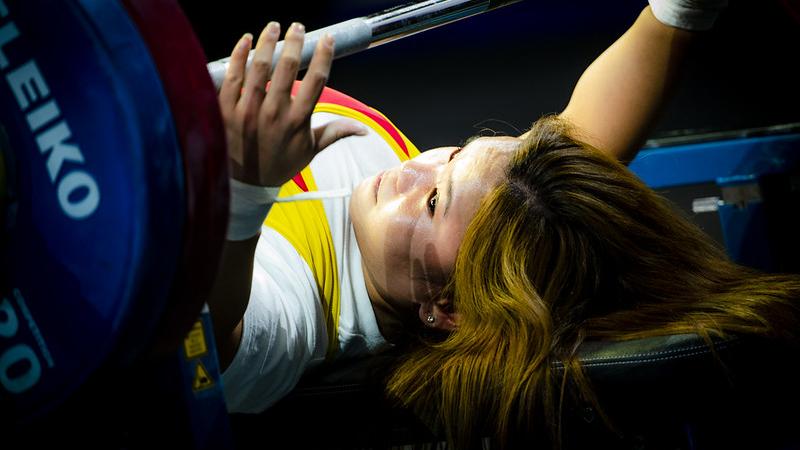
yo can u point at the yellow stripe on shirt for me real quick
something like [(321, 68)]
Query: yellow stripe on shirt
[(366, 120), (305, 225)]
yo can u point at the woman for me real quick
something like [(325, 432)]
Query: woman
[(503, 245)]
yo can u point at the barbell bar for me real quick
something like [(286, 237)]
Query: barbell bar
[(362, 33)]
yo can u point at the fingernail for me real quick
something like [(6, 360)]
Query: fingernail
[(362, 130), (298, 27), (246, 41), (273, 28), (328, 40)]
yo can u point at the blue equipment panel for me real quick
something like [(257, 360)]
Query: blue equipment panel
[(739, 187)]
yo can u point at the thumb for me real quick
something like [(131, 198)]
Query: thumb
[(331, 132)]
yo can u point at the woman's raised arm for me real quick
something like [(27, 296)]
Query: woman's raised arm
[(618, 98)]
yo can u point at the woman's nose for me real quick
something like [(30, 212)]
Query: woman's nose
[(414, 173)]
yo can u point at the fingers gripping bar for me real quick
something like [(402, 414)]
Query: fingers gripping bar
[(362, 33)]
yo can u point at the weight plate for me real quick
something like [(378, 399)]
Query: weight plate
[(193, 100), (99, 207)]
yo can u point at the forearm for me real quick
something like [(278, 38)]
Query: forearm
[(230, 294), (620, 95)]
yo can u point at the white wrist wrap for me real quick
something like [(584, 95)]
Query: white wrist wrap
[(693, 15), (249, 207)]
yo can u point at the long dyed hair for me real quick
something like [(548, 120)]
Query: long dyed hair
[(570, 246)]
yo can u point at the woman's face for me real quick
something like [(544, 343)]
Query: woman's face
[(409, 221)]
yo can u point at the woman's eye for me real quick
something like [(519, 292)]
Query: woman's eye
[(434, 198)]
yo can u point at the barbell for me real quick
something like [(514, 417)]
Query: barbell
[(362, 33), (114, 182)]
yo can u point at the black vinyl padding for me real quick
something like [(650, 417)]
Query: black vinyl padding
[(670, 392)]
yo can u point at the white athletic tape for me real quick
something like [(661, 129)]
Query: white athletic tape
[(693, 15), (251, 204), (249, 207)]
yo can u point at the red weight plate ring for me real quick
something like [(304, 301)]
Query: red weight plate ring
[(193, 100)]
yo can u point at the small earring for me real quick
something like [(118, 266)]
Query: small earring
[(431, 318)]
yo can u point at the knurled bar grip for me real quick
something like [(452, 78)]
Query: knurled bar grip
[(355, 35)]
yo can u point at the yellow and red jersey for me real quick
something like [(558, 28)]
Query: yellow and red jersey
[(308, 300)]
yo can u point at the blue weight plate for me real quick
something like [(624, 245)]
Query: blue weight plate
[(93, 238), (160, 137)]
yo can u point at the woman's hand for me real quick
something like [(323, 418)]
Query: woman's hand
[(268, 132)]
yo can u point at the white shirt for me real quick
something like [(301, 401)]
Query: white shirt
[(284, 328)]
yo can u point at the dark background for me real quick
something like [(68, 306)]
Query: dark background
[(503, 69)]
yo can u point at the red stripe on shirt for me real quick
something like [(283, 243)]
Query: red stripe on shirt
[(337, 98)]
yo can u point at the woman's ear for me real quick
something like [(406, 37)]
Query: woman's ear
[(445, 318)]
